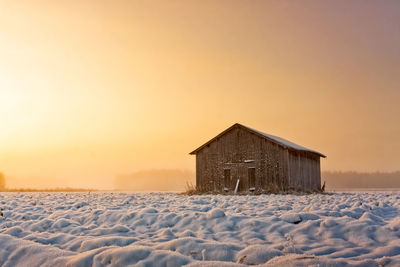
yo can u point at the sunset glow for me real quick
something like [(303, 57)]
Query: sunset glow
[(90, 90)]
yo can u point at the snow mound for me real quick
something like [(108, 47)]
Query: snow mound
[(214, 264), (215, 213), (144, 256), (300, 260), (81, 204), (394, 225), (329, 223), (201, 250), (257, 254), (291, 218)]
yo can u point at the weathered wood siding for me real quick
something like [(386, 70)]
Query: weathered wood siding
[(304, 170), (276, 167)]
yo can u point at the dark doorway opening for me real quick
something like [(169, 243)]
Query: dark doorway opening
[(227, 178), (252, 178)]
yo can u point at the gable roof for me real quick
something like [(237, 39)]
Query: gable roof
[(278, 140)]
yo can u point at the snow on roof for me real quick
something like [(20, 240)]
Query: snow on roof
[(284, 142), (274, 138)]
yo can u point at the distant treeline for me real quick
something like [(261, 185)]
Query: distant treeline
[(61, 189), (154, 180), (351, 179), (4, 188)]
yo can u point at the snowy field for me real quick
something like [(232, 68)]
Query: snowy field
[(163, 229)]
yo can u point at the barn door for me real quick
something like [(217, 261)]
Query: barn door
[(252, 178), (227, 179), (242, 176), (234, 172)]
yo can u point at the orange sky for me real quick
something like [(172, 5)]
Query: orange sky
[(92, 89)]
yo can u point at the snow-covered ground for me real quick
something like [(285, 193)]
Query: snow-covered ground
[(163, 229)]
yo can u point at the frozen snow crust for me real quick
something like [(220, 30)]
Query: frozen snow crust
[(163, 229)]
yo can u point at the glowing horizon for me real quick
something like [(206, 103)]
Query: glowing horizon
[(94, 89)]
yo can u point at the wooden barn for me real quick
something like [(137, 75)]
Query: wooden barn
[(243, 159)]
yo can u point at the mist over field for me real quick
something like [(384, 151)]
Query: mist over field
[(155, 180), (177, 179), (359, 180)]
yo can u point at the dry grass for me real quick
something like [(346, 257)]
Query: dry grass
[(194, 190), (190, 189)]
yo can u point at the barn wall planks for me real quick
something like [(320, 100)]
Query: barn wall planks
[(276, 167)]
